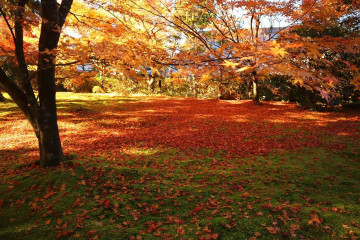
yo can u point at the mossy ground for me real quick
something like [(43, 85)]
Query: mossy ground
[(160, 191)]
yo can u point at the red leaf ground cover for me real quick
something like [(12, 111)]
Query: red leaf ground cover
[(239, 128)]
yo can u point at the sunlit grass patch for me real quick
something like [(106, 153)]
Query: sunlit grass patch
[(139, 151)]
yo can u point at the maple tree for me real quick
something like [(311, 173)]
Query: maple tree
[(40, 110), (332, 34), (249, 52), (112, 39)]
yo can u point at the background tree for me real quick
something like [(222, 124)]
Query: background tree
[(233, 31), (115, 41), (331, 36)]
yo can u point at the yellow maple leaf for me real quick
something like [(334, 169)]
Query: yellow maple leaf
[(205, 78), (299, 81), (245, 69), (279, 51), (154, 71), (247, 58), (230, 64)]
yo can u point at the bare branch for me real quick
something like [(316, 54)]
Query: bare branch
[(296, 20)]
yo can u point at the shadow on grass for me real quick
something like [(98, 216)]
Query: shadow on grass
[(201, 195)]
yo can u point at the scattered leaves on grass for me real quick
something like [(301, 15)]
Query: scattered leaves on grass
[(173, 168)]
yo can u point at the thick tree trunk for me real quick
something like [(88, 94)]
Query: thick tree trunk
[(51, 153), (50, 145)]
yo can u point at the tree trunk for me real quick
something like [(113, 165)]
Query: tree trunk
[(49, 144), (255, 92), (51, 153), (195, 89), (152, 84), (255, 87), (248, 88)]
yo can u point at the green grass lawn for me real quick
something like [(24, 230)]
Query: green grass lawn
[(174, 187)]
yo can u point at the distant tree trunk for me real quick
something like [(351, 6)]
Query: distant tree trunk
[(255, 87), (248, 88), (160, 85), (194, 86), (151, 83), (255, 92), (195, 90)]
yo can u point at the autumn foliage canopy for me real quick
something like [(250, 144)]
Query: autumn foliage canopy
[(201, 45)]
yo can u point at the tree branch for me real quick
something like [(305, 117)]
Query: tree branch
[(8, 24), (17, 94), (63, 11), (20, 57), (299, 18)]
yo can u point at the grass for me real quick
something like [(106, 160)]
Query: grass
[(159, 191)]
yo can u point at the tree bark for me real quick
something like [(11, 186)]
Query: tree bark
[(50, 145), (51, 153)]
